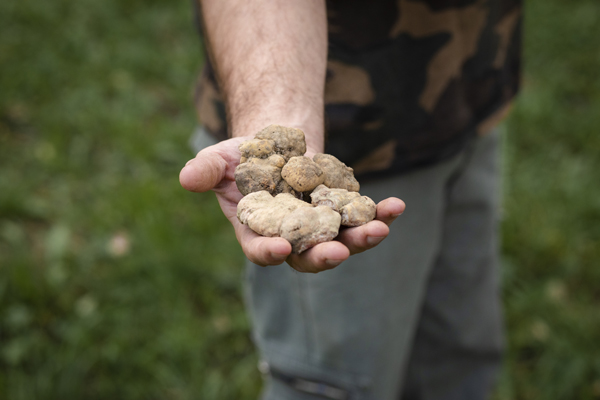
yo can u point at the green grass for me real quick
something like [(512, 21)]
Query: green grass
[(116, 283), (551, 227), (95, 114)]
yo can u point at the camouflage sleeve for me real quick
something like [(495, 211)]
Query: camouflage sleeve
[(409, 82)]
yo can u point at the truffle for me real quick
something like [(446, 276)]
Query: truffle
[(284, 187), (273, 164), (302, 174), (264, 213), (337, 174), (259, 174), (308, 226), (332, 198), (256, 148), (358, 212), (289, 142)]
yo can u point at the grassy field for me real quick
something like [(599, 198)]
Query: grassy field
[(115, 283)]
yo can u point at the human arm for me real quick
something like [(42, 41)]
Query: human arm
[(270, 57)]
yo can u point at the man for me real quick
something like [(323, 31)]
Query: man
[(409, 91)]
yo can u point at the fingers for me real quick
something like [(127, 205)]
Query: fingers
[(259, 249), (364, 237), (322, 257), (203, 172), (273, 251), (267, 251), (389, 209)]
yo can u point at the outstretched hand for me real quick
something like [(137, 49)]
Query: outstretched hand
[(213, 169)]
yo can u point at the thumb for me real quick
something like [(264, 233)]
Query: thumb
[(203, 172)]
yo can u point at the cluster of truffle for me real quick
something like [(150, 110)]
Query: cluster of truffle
[(287, 194)]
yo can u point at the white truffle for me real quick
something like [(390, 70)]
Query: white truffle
[(308, 226), (264, 213), (358, 212)]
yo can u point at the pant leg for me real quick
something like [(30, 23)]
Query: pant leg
[(347, 331), (458, 345), (352, 328)]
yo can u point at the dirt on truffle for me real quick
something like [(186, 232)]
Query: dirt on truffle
[(256, 148), (333, 198), (308, 226), (289, 142), (302, 174), (358, 212), (264, 213), (337, 174), (259, 174)]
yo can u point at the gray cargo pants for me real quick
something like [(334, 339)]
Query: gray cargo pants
[(417, 318)]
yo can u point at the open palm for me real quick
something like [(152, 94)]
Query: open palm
[(213, 169)]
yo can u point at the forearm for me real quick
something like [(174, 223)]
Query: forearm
[(270, 57)]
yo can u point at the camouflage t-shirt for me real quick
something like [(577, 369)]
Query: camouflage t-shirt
[(409, 82)]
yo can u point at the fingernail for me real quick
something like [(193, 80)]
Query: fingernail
[(278, 257), (187, 163), (333, 263), (374, 240)]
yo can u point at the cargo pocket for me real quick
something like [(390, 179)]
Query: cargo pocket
[(296, 384)]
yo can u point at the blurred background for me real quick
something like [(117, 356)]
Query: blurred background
[(115, 283)]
